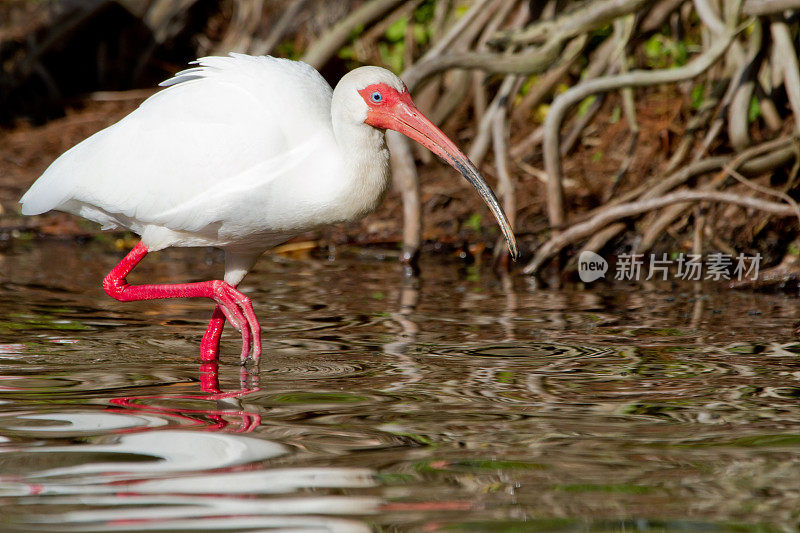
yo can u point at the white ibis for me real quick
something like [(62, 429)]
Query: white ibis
[(241, 153)]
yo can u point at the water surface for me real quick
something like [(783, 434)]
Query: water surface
[(458, 401)]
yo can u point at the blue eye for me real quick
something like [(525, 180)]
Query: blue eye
[(376, 96)]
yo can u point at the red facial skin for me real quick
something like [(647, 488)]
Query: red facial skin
[(395, 111)]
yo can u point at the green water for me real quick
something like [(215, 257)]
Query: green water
[(457, 401)]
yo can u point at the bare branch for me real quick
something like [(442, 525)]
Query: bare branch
[(739, 108), (530, 62), (506, 185), (782, 41), (404, 171), (768, 7), (555, 192), (327, 45), (480, 143), (265, 46), (709, 17), (753, 161), (591, 16), (608, 216), (406, 180)]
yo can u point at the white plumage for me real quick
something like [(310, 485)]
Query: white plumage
[(241, 153), (238, 152)]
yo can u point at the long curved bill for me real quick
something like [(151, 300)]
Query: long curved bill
[(406, 119)]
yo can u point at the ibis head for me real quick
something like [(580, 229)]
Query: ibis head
[(380, 99)]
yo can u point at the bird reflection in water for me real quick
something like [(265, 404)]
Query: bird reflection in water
[(228, 404)]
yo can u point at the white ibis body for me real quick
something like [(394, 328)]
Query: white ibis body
[(241, 153)]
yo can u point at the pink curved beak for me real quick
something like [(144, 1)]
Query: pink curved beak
[(404, 117)]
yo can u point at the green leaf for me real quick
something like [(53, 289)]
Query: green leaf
[(680, 53), (421, 34), (654, 46), (425, 12), (347, 52), (754, 111), (392, 55), (474, 222), (288, 50), (698, 96), (397, 30), (584, 106), (616, 112)]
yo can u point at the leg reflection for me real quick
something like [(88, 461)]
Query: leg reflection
[(227, 408)]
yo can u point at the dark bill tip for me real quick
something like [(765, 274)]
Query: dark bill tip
[(468, 170)]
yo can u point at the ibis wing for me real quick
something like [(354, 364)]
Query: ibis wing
[(230, 120)]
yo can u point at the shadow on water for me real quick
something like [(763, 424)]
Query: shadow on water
[(456, 401)]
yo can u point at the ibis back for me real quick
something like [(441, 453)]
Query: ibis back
[(193, 164)]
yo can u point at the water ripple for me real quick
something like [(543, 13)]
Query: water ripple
[(73, 424), (453, 401), (158, 452)]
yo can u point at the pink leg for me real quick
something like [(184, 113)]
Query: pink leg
[(209, 348), (234, 305), (209, 378)]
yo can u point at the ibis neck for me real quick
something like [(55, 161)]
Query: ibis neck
[(365, 160)]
